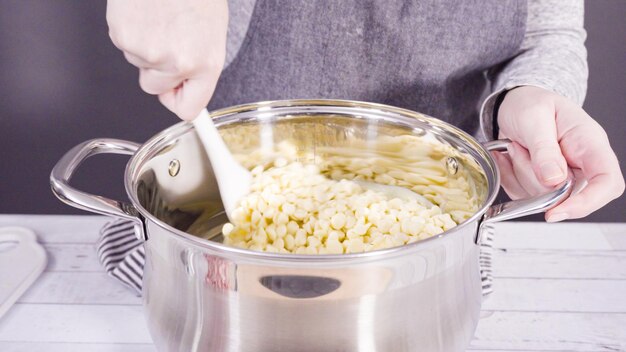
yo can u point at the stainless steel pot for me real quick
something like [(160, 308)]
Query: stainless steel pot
[(200, 295)]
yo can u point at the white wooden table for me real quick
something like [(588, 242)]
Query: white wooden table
[(559, 287)]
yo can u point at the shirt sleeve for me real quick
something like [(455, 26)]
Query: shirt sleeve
[(239, 17), (552, 56)]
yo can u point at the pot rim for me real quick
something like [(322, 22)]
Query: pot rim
[(230, 114)]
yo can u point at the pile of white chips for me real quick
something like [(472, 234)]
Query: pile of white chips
[(294, 208)]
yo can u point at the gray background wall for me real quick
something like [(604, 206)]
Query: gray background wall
[(63, 82)]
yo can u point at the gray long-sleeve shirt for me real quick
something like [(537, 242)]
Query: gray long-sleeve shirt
[(552, 54)]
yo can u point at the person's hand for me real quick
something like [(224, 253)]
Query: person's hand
[(549, 133), (178, 46)]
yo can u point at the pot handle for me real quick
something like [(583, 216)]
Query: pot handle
[(64, 169), (522, 207)]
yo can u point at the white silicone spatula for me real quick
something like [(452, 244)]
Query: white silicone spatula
[(233, 180)]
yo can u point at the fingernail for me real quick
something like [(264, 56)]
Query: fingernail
[(550, 171), (556, 217)]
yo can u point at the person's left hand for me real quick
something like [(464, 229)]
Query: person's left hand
[(550, 132)]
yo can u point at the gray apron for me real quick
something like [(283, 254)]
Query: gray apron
[(429, 56)]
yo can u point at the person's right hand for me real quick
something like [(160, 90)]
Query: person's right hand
[(178, 46)]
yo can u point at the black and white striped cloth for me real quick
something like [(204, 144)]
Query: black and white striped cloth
[(486, 252), (122, 253), (123, 256)]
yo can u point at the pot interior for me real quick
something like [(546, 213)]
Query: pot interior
[(172, 180)]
